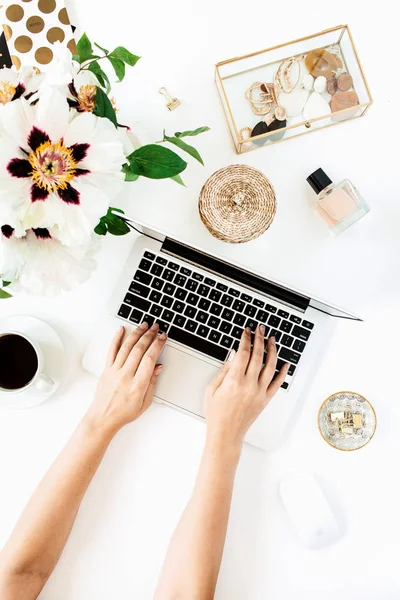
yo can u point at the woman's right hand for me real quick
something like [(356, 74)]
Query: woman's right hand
[(126, 387), (242, 389)]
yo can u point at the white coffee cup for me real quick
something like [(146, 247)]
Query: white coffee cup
[(40, 382)]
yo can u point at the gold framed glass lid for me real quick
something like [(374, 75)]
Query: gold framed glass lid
[(288, 90), (347, 421)]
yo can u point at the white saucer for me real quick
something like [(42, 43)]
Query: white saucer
[(53, 357)]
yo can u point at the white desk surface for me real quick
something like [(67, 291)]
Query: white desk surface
[(121, 534)]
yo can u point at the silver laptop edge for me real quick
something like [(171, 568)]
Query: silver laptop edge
[(312, 302)]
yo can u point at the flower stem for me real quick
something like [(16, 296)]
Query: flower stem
[(90, 62)]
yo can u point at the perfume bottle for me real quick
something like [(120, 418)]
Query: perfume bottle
[(340, 205)]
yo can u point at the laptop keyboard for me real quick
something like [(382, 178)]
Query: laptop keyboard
[(207, 315)]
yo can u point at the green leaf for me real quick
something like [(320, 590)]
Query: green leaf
[(103, 106), (156, 162), (185, 147), (118, 66), (126, 56), (102, 77), (99, 75), (112, 210), (84, 47), (4, 295), (117, 226), (102, 49), (129, 175), (112, 224), (197, 131), (101, 228), (179, 180), (6, 283)]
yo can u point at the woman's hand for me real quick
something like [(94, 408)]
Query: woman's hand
[(242, 389), (125, 389)]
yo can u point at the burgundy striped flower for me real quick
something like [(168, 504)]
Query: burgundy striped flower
[(51, 167)]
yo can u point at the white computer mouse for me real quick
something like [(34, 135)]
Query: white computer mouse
[(308, 510)]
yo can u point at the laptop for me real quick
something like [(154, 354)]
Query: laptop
[(204, 302)]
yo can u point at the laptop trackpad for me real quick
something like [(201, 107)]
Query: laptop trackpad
[(184, 379)]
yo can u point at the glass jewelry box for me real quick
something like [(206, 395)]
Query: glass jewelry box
[(291, 89)]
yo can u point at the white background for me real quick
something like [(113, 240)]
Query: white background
[(123, 528)]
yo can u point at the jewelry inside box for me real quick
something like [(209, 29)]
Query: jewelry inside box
[(313, 85)]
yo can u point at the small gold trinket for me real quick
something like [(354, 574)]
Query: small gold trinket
[(339, 416), (346, 421), (346, 429), (172, 103)]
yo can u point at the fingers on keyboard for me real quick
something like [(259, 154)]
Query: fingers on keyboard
[(209, 316)]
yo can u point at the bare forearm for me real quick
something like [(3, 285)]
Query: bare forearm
[(124, 392), (234, 399), (39, 537), (195, 552)]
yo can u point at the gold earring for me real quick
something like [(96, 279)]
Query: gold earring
[(287, 67), (242, 131), (263, 103)]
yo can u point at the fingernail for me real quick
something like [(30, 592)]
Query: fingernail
[(262, 329), (231, 355), (144, 325), (163, 336), (154, 327), (158, 369), (121, 329), (248, 330), (273, 340), (286, 366)]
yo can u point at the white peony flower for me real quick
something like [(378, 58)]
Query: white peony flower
[(58, 75), (12, 86), (63, 75), (49, 267), (82, 91), (11, 254), (57, 172), (60, 71), (32, 79), (129, 139)]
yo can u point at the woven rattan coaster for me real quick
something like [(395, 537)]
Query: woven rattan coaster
[(237, 204)]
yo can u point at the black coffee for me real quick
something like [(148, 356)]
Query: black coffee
[(18, 362)]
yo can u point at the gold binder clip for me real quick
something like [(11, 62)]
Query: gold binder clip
[(172, 103)]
